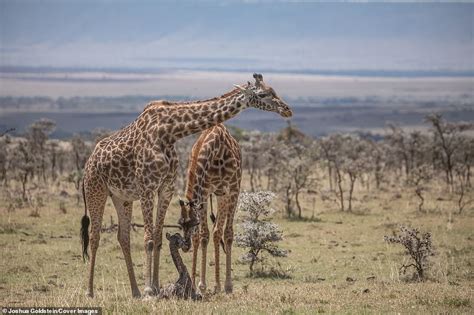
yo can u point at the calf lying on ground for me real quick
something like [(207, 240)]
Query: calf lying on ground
[(183, 288)]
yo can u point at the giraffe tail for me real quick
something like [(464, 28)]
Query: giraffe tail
[(85, 221), (213, 219)]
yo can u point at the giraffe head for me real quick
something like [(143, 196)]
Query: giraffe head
[(264, 97), (188, 222)]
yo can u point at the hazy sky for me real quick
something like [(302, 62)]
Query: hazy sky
[(237, 35)]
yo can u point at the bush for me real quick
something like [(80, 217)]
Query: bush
[(258, 234), (419, 247)]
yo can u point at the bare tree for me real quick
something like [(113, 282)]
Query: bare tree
[(37, 135), (419, 178), (447, 138), (23, 164), (80, 151)]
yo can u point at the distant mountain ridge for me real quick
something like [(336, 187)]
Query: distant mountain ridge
[(323, 72)]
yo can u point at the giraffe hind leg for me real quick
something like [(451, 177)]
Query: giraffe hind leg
[(204, 238), (95, 197), (222, 202), (124, 213), (228, 240)]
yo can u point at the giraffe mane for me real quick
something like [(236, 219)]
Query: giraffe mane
[(168, 103), (193, 161)]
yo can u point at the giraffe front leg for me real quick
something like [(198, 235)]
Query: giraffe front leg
[(147, 209), (124, 213), (204, 236), (228, 239), (164, 199), (196, 241)]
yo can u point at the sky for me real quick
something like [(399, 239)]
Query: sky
[(237, 35)]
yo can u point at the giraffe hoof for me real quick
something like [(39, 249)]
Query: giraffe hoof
[(217, 289), (90, 294), (136, 295), (228, 289), (202, 287), (149, 291)]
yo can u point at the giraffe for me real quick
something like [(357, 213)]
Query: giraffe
[(214, 168), (183, 288), (139, 163)]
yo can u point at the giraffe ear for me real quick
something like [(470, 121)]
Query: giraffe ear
[(239, 87)]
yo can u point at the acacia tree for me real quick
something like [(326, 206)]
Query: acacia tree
[(37, 135), (356, 162), (446, 137), (378, 152), (419, 178), (294, 155), (23, 164), (4, 141), (80, 151), (295, 172), (350, 158), (331, 147), (398, 142), (463, 160)]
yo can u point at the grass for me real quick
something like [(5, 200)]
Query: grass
[(337, 264)]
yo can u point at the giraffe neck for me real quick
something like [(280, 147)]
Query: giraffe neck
[(177, 260), (198, 170), (172, 122)]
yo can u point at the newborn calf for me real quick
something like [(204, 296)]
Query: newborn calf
[(183, 288)]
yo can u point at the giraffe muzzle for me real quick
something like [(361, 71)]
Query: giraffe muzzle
[(286, 113)]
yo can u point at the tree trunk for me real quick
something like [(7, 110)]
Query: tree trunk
[(330, 177), (288, 201), (298, 203), (352, 178), (339, 185), (418, 192), (24, 180)]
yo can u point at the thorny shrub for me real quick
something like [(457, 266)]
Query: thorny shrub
[(418, 246)]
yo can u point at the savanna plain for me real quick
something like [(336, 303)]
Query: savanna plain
[(338, 261)]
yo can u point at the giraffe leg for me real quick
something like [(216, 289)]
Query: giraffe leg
[(146, 202), (95, 196), (204, 236), (196, 241), (164, 199), (228, 239), (124, 213), (217, 236)]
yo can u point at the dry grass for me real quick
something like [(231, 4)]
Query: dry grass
[(338, 264)]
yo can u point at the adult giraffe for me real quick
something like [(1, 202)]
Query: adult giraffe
[(215, 167), (140, 162)]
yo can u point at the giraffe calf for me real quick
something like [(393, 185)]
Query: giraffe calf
[(183, 288)]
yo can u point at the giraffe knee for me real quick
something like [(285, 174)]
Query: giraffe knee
[(217, 236), (123, 240), (149, 246)]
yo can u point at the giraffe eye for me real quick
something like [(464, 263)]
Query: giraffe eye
[(262, 95)]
